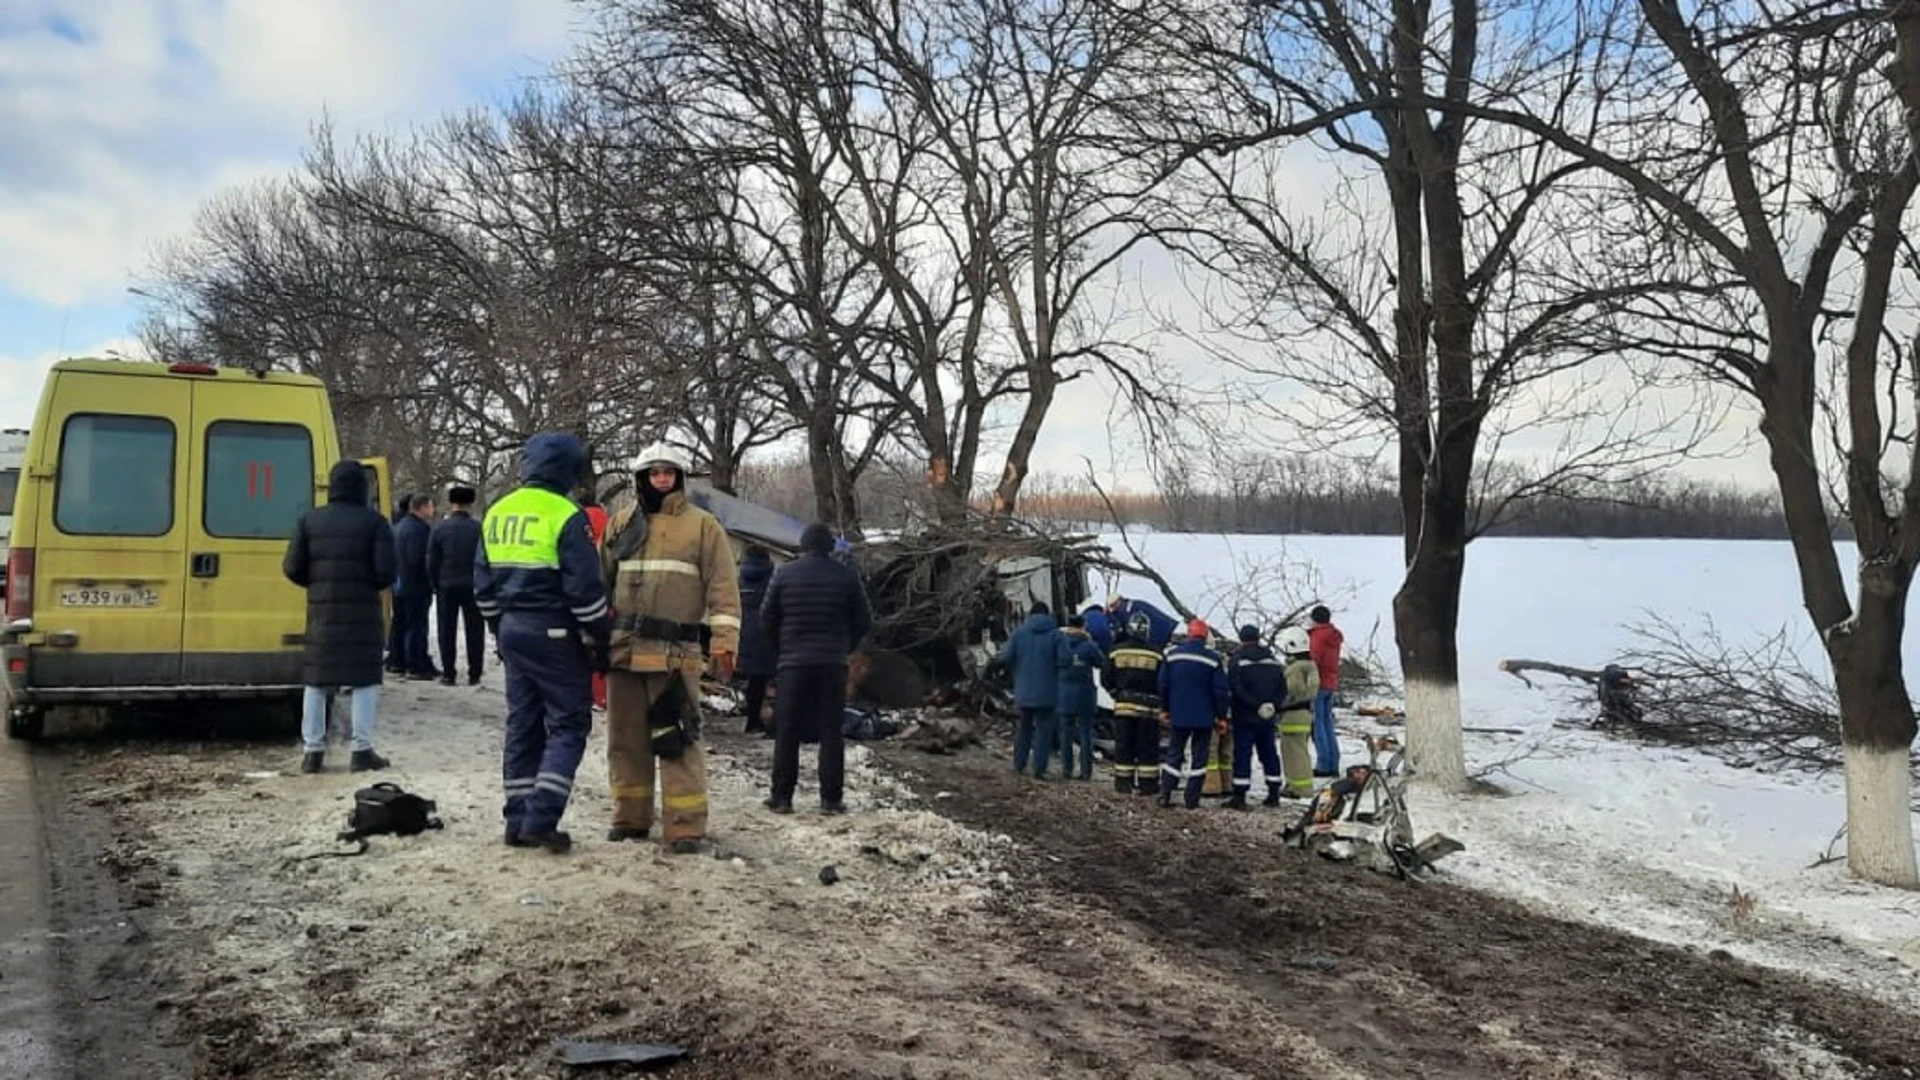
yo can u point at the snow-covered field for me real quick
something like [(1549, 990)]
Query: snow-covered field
[(1648, 839)]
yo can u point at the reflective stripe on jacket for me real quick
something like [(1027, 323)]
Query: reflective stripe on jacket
[(536, 555), (685, 573)]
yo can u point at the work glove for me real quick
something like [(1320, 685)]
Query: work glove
[(493, 626), (722, 663), (599, 635)]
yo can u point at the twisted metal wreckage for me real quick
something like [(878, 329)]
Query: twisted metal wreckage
[(945, 597)]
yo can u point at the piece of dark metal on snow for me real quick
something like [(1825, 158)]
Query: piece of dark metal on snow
[(583, 1052)]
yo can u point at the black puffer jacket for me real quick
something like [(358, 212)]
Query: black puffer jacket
[(451, 551), (756, 652), (815, 613), (342, 554)]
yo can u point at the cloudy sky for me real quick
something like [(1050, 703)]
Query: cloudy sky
[(119, 117)]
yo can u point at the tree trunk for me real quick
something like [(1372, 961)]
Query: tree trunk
[(949, 496), (1426, 617), (1877, 730), (1020, 452)]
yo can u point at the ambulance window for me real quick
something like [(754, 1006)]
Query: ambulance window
[(259, 479), (9, 485), (116, 476)]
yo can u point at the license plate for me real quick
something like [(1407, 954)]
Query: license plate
[(110, 596)]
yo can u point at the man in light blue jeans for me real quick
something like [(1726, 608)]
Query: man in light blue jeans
[(364, 706), (342, 554), (1324, 640)]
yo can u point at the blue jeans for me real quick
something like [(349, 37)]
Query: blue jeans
[(313, 717), (1076, 727), (1035, 733), (1326, 744)]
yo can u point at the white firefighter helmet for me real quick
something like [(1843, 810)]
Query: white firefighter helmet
[(660, 454), (1292, 641)]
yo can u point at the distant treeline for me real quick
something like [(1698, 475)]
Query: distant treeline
[(1301, 495)]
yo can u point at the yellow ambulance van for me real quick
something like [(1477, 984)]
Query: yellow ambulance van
[(154, 506)]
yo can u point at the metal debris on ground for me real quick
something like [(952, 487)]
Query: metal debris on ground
[(582, 1052)]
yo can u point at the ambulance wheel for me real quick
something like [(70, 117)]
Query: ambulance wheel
[(26, 724)]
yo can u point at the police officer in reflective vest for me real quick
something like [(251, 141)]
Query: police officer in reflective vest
[(1132, 676), (537, 581), (673, 575)]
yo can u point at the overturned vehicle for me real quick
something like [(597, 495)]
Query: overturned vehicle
[(944, 599)]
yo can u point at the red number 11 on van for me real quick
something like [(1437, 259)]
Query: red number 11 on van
[(259, 480)]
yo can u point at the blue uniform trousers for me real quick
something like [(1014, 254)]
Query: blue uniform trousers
[(549, 713), (1076, 727), (1326, 742), (1036, 731), (1179, 740), (1251, 738)]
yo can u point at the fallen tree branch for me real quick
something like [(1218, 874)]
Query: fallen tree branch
[(1519, 668), (1139, 567)]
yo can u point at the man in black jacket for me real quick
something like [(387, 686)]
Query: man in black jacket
[(450, 554), (413, 594), (342, 554), (814, 615), (755, 662)]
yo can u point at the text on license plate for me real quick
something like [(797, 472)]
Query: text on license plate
[(110, 596)]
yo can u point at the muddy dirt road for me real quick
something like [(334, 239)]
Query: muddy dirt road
[(982, 925)]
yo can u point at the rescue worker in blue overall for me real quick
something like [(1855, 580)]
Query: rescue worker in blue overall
[(1257, 679), (1132, 676), (1160, 625), (537, 581), (1193, 686)]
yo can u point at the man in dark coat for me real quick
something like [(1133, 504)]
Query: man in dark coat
[(413, 592), (755, 663), (814, 615), (1195, 697), (343, 555), (450, 554), (396, 649), (1257, 680), (1082, 660), (1034, 655)]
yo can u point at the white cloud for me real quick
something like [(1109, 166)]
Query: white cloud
[(121, 116), (21, 376)]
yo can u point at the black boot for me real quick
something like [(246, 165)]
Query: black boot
[(312, 761), (1273, 796), (1238, 800), (366, 761), (555, 841), (1122, 785)]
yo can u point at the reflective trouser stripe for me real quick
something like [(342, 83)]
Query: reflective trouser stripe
[(697, 801), (632, 791)]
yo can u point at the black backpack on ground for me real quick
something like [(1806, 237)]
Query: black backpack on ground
[(386, 809)]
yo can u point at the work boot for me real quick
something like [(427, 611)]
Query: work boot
[(627, 832), (1238, 801), (366, 761), (473, 679), (446, 680), (514, 839), (312, 761), (1122, 786), (1165, 800), (778, 806), (1273, 796), (833, 808), (555, 841), (685, 847)]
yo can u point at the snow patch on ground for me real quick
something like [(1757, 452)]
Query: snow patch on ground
[(1651, 840)]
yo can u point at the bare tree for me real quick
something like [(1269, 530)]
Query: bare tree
[(1774, 149), (1434, 295)]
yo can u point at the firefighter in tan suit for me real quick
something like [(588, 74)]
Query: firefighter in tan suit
[(672, 572)]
